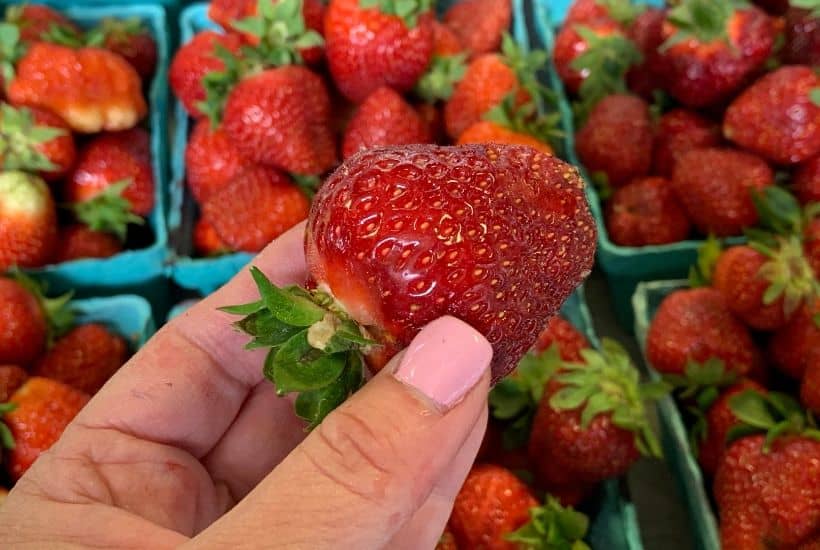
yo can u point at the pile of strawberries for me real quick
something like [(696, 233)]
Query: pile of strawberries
[(743, 348), (69, 136), (684, 112), (49, 368), (290, 88)]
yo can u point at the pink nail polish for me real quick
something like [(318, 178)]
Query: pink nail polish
[(444, 361)]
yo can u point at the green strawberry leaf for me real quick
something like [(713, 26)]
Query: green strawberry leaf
[(700, 274), (20, 137), (288, 307), (813, 5), (245, 309), (298, 366), (109, 211), (703, 20), (750, 408), (6, 437), (779, 212), (406, 10), (509, 399), (11, 50), (623, 11), (441, 77), (552, 527), (64, 36), (814, 96), (281, 32), (59, 313), (308, 184)]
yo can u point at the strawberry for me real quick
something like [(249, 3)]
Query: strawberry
[(384, 118), (35, 417), (446, 542), (207, 241), (433, 118), (789, 347), (646, 32), (810, 385), (91, 89), (445, 41), (254, 208), (695, 325), (806, 182), (85, 358), (574, 40), (36, 20), (615, 143), (487, 131), (11, 378), (776, 118), (479, 24), (3, 494), (131, 40), (33, 139), (28, 221), (562, 333), (211, 160), (679, 131), (78, 241), (646, 212), (802, 38), (621, 11), (375, 43), (428, 253), (193, 61), (711, 48), (714, 187)]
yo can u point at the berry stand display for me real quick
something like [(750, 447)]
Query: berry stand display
[(129, 316)]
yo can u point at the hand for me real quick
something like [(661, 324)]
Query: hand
[(188, 443)]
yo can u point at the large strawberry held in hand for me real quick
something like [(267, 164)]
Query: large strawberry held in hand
[(498, 236)]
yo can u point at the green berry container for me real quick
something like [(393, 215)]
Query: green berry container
[(127, 315), (691, 483)]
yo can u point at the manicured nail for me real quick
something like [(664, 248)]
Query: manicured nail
[(444, 361)]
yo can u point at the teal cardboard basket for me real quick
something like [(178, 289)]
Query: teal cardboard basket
[(129, 316), (139, 270), (646, 300), (205, 275)]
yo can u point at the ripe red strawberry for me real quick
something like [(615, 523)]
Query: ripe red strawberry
[(616, 140), (810, 385), (207, 241), (11, 378), (281, 118), (35, 20), (486, 131), (42, 410), (584, 11), (78, 241), (714, 185), (710, 49), (697, 325), (85, 358), (445, 40), (647, 34), (36, 140), (562, 333), (806, 182), (433, 118), (802, 38), (776, 118), (479, 24), (679, 131), (28, 221), (645, 212), (415, 252), (254, 208), (91, 89), (571, 45), (111, 158), (370, 47), (193, 61), (384, 118), (211, 160), (130, 39), (789, 347)]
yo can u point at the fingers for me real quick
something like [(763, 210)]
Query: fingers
[(372, 464)]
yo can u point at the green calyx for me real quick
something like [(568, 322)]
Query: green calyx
[(6, 437), (58, 311), (109, 211), (789, 273), (814, 93), (408, 11), (700, 274), (314, 348), (622, 11), (438, 83), (812, 5), (19, 138), (552, 527), (774, 414), (703, 20), (607, 382), (525, 119), (779, 213), (115, 30), (526, 64), (65, 36), (307, 184), (218, 84), (11, 50)]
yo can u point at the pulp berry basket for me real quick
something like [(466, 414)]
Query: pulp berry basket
[(646, 300), (129, 316), (205, 275), (624, 266), (137, 270)]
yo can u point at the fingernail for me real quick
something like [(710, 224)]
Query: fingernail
[(444, 361)]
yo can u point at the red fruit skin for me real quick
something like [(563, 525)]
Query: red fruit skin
[(569, 46), (281, 118), (207, 241), (110, 158), (211, 160), (384, 118), (140, 50), (719, 420), (85, 358), (584, 11), (254, 208), (810, 386), (701, 75), (492, 503), (811, 246), (617, 139), (61, 151), (44, 409), (696, 324), (736, 277), (775, 492), (78, 241), (11, 378), (28, 224), (367, 49), (392, 243), (193, 61), (806, 181), (775, 117), (479, 24), (570, 340), (714, 185), (679, 131), (23, 337), (789, 347), (802, 38), (647, 33), (445, 40), (36, 19), (646, 212)]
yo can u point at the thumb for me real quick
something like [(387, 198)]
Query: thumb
[(373, 463)]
